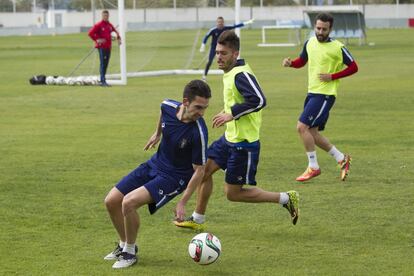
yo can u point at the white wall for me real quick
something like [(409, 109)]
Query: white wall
[(19, 19), (389, 11), (77, 19)]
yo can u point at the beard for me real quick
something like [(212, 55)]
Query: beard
[(322, 38)]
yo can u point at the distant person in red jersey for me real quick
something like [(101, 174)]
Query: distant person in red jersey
[(101, 34)]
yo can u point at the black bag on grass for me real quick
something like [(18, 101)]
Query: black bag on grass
[(39, 79)]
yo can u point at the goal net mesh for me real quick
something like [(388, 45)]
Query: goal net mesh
[(147, 51)]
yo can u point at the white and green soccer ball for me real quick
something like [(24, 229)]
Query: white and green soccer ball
[(94, 80), (114, 36), (50, 80), (70, 81), (204, 248), (79, 80), (60, 80)]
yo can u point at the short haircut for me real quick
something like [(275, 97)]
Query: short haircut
[(196, 88), (220, 17), (325, 17), (229, 39), (105, 11)]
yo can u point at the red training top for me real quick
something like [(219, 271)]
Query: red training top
[(103, 29)]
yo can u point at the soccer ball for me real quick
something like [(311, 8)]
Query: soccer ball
[(94, 80), (114, 36), (79, 80), (70, 81), (60, 80), (50, 80), (87, 81), (204, 248)]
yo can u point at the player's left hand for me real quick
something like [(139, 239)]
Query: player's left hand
[(179, 211), (119, 41), (248, 22), (325, 77), (221, 118)]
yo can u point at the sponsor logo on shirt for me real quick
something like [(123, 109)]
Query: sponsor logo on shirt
[(183, 143)]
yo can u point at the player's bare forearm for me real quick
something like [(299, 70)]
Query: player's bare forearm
[(194, 182), (156, 137)]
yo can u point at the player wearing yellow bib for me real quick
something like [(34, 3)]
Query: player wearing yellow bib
[(326, 58), (237, 151)]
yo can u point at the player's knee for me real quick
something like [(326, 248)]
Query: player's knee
[(231, 194), (128, 205), (301, 128), (112, 202)]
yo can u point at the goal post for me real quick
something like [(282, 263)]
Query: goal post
[(294, 36), (122, 47)]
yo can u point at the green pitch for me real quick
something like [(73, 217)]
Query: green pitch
[(62, 149)]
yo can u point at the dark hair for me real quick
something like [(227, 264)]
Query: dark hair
[(220, 17), (196, 88), (229, 39), (105, 11), (325, 17)]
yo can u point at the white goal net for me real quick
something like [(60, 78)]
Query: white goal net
[(145, 51)]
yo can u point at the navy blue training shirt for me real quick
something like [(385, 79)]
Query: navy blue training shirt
[(182, 144), (215, 33)]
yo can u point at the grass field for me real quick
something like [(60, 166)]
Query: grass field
[(63, 148)]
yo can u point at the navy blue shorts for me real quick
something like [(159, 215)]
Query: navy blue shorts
[(239, 160), (162, 187), (316, 110)]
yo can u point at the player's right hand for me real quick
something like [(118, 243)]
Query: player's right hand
[(286, 62), (153, 141), (179, 211), (202, 48)]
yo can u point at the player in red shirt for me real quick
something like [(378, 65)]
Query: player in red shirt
[(101, 34)]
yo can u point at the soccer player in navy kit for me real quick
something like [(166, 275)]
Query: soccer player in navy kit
[(326, 58), (178, 166), (215, 33)]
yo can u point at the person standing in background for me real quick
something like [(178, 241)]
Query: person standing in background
[(101, 34)]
